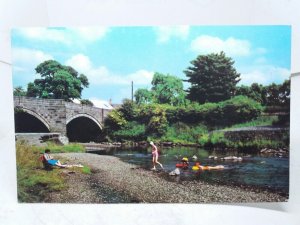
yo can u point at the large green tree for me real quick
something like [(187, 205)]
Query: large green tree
[(212, 77), (143, 96), (255, 91), (167, 89), (57, 81)]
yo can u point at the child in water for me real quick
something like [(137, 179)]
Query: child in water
[(155, 156)]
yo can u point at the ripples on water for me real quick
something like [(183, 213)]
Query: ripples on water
[(254, 170)]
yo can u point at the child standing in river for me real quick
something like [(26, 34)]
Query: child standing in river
[(155, 156)]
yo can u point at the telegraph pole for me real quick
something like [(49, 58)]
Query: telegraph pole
[(132, 91)]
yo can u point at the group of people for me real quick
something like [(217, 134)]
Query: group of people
[(53, 162), (184, 162)]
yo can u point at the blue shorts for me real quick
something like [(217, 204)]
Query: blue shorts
[(52, 161)]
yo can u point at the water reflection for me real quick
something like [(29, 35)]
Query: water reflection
[(253, 170)]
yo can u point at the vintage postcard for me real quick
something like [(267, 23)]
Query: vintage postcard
[(164, 114)]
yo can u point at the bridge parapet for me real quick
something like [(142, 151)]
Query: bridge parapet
[(55, 114)]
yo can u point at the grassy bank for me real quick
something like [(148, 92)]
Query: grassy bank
[(260, 121), (218, 140), (35, 183), (54, 148)]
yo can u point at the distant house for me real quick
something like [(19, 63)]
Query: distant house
[(98, 103)]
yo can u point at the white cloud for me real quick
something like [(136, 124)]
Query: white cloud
[(64, 35), (205, 44), (24, 64), (79, 62), (140, 77), (164, 33), (260, 60), (101, 75), (265, 75), (27, 59)]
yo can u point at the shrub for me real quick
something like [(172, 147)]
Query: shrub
[(184, 133), (131, 131)]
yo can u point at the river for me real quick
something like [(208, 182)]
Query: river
[(255, 170)]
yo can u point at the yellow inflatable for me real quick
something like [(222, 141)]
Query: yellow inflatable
[(197, 166)]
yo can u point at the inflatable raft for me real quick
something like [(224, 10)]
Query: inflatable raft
[(197, 166)]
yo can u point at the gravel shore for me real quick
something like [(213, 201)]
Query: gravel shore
[(114, 181)]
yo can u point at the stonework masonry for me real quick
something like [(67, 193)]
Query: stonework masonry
[(55, 114)]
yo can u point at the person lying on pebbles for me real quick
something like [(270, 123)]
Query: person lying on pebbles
[(53, 162)]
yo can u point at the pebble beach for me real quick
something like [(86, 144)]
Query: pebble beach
[(114, 181)]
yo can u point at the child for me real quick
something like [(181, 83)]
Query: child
[(155, 156)]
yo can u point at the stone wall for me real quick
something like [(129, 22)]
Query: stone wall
[(259, 133), (40, 139), (56, 113), (75, 110), (50, 111)]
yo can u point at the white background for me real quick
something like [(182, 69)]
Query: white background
[(29, 13)]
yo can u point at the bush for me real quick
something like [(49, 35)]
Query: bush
[(184, 133), (131, 131), (114, 121)]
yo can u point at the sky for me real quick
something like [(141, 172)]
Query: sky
[(112, 57)]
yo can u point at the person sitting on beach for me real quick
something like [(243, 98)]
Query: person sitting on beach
[(155, 156), (53, 162)]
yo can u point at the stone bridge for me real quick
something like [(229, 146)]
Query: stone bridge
[(34, 115)]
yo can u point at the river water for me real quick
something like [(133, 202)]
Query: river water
[(255, 170)]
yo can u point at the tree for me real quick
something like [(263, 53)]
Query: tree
[(19, 91), (86, 102), (57, 81), (255, 91), (213, 78), (167, 89), (128, 109), (284, 93), (143, 96)]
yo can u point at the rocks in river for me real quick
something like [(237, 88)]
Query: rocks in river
[(175, 172), (212, 157), (194, 157), (276, 152), (227, 158), (234, 158)]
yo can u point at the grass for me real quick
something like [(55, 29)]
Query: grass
[(183, 133), (217, 139), (35, 183), (54, 148), (86, 170), (260, 121)]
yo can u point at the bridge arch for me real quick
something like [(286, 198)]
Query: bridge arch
[(83, 127), (84, 115), (20, 109)]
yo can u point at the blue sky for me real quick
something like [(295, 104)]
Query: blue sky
[(112, 57)]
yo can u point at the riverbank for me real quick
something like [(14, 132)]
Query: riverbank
[(114, 181)]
